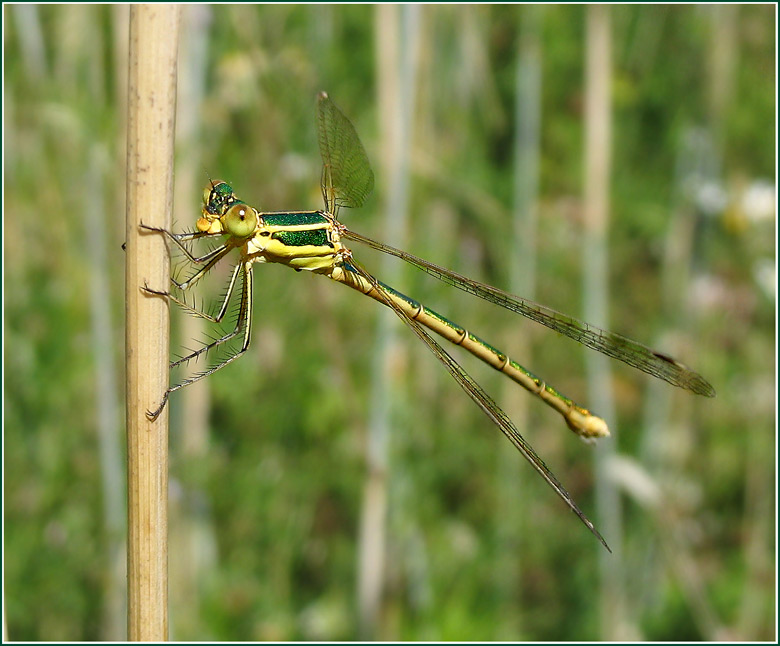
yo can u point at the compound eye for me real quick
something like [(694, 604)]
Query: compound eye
[(240, 220)]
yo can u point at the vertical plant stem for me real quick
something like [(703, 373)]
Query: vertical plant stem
[(512, 511), (598, 138), (397, 29), (150, 138), (373, 516), (107, 407)]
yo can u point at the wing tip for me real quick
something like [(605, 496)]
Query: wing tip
[(701, 386)]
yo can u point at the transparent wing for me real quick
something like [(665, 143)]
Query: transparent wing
[(484, 401), (347, 178), (611, 344)]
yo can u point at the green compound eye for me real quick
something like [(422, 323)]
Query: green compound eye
[(240, 221)]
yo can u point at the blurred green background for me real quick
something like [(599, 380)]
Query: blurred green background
[(269, 480)]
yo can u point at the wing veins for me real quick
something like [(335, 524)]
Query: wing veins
[(611, 344)]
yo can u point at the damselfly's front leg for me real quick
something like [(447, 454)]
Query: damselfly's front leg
[(180, 238), (243, 325), (211, 258)]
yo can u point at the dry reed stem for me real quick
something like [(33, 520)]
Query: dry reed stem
[(150, 139)]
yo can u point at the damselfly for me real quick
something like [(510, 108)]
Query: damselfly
[(314, 241)]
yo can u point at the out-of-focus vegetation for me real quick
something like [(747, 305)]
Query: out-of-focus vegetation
[(265, 511)]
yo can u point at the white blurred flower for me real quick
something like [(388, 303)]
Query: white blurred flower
[(765, 274), (759, 201), (710, 197)]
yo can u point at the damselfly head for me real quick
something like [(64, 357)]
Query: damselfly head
[(218, 197)]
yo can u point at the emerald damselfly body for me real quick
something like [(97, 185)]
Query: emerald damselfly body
[(314, 241)]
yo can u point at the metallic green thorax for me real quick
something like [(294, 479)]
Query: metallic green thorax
[(294, 219), (315, 237), (301, 239), (301, 229)]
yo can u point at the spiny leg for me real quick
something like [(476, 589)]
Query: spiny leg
[(242, 315), (193, 310), (244, 323), (179, 238), (211, 258), (218, 254)]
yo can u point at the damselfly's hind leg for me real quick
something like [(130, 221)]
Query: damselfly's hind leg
[(243, 326)]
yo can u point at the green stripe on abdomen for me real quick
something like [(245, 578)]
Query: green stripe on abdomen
[(579, 419)]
